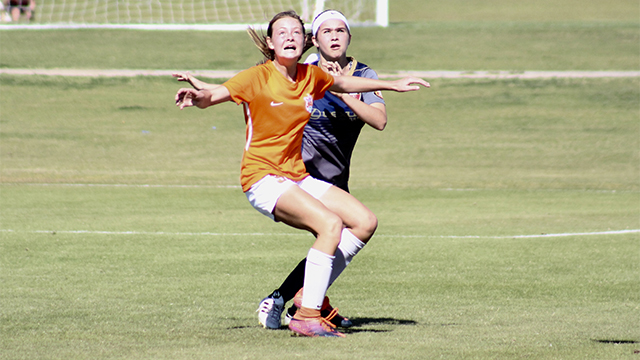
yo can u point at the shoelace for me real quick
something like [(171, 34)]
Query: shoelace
[(275, 315), (331, 315), (328, 326)]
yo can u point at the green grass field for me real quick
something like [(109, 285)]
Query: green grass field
[(124, 234)]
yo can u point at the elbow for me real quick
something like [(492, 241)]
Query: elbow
[(379, 119), (380, 125)]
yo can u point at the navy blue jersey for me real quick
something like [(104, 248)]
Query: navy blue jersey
[(332, 133)]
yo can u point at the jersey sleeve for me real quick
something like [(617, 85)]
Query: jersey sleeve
[(244, 86), (373, 96)]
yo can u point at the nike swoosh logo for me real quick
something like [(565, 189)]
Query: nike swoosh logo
[(276, 104)]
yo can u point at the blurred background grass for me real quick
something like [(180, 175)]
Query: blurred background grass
[(513, 11), (527, 134)]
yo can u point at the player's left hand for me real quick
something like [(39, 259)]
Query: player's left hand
[(407, 84), (187, 78), (182, 76)]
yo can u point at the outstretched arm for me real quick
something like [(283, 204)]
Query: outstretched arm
[(202, 98), (196, 83), (348, 84)]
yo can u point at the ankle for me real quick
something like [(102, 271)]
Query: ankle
[(306, 313)]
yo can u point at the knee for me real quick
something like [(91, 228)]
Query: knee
[(328, 234), (331, 227), (370, 224), (365, 226)]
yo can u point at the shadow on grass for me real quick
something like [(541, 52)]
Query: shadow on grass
[(382, 321), (617, 342), (358, 322)]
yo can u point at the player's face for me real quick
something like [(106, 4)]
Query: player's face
[(287, 39), (332, 38)]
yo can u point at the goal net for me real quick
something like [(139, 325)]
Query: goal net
[(192, 14)]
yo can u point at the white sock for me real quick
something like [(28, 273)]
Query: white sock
[(347, 249), (316, 278)]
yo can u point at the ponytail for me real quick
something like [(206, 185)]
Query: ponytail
[(260, 41)]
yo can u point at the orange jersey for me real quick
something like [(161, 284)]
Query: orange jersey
[(276, 111)]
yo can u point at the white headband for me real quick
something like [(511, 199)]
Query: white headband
[(328, 15)]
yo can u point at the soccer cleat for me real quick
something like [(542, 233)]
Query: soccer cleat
[(270, 311), (325, 311), (314, 327)]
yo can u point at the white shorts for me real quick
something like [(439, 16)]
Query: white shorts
[(264, 194)]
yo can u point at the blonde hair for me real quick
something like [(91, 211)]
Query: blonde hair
[(260, 40)]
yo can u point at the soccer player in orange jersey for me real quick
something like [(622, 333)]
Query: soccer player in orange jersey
[(277, 97)]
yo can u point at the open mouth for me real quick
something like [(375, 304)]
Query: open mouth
[(290, 47)]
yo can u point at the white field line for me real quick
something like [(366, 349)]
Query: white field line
[(197, 27), (162, 233), (439, 74)]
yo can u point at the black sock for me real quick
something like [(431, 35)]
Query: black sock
[(293, 282)]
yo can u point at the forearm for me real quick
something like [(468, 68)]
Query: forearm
[(211, 96), (350, 84), (207, 86), (374, 115), (355, 84), (201, 85), (201, 98), (195, 82)]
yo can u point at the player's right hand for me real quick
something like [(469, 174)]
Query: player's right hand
[(186, 98)]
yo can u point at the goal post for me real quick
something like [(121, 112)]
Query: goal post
[(191, 14)]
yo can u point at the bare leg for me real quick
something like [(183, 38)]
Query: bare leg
[(298, 209), (355, 216), (361, 221)]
